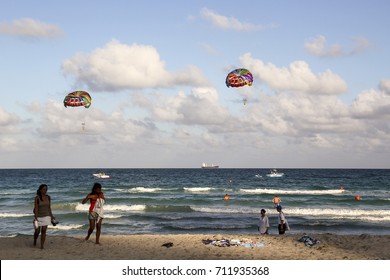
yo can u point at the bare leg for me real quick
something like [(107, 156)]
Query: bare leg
[(91, 228), (98, 230), (36, 234), (43, 236)]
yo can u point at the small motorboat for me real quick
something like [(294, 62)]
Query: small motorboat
[(101, 175), (274, 173)]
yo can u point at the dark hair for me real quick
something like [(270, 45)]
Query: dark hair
[(279, 207), (39, 191), (95, 187), (262, 211)]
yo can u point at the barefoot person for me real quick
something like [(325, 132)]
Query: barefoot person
[(42, 214), (95, 215)]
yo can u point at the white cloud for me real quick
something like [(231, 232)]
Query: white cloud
[(384, 86), (275, 129), (231, 23), (9, 143), (119, 66), (372, 104), (360, 44), (286, 128), (8, 121), (300, 116), (30, 28), (200, 107), (65, 125), (317, 47), (9, 126), (297, 77)]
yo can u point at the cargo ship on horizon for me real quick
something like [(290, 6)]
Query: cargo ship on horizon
[(208, 166)]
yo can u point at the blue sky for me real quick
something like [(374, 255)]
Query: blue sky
[(156, 73)]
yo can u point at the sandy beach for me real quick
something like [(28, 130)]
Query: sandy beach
[(192, 247)]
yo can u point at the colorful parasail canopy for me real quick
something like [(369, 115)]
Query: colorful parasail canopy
[(78, 98), (239, 77)]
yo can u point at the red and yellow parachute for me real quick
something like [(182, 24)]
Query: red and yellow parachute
[(78, 98), (239, 77)]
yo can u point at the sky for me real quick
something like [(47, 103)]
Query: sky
[(156, 73)]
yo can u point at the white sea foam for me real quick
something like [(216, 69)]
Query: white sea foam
[(125, 208), (294, 192), (143, 190), (333, 213), (114, 207), (82, 207), (241, 210), (65, 226), (112, 216), (15, 192), (7, 236), (14, 215), (198, 189)]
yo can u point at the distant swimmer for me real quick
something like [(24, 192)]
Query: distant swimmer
[(226, 197), (276, 200)]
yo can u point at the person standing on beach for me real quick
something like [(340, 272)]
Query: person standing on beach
[(42, 214), (282, 221), (263, 223), (95, 214)]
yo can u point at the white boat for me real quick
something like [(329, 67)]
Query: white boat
[(209, 166), (274, 173), (101, 175)]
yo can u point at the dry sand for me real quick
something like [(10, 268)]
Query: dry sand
[(191, 247)]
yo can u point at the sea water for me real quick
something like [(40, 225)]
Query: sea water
[(179, 201)]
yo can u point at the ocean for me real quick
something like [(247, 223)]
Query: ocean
[(180, 201)]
